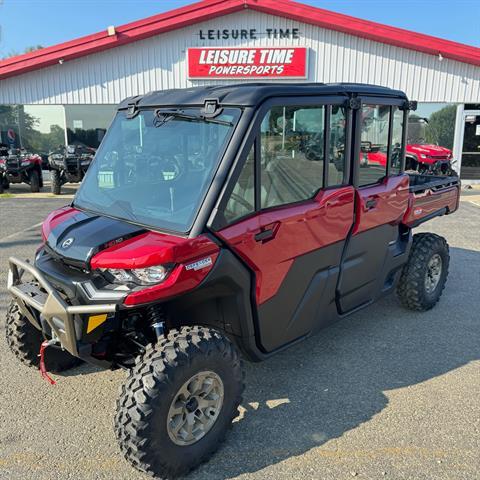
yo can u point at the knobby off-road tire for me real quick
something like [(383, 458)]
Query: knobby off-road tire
[(144, 419), (421, 283), (56, 182), (24, 341), (34, 181)]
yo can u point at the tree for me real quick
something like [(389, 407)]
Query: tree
[(14, 53), (14, 117), (441, 127)]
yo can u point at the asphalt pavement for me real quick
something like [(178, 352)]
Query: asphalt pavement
[(385, 393)]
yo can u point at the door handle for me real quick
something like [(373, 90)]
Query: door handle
[(267, 232), (264, 235), (371, 203)]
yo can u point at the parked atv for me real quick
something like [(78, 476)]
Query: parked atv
[(69, 164), (19, 166), (3, 167), (423, 157), (200, 236)]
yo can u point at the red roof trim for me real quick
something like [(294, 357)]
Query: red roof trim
[(208, 9)]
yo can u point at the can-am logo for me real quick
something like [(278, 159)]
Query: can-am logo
[(68, 242), (247, 62)]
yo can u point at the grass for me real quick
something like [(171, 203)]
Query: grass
[(6, 195)]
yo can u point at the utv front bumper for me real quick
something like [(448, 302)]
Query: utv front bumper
[(44, 303)]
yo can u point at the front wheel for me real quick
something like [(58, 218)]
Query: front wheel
[(56, 182), (178, 401), (34, 181), (424, 276), (24, 341)]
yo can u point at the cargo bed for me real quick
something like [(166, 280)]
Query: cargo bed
[(431, 196)]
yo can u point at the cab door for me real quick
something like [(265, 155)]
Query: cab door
[(288, 215), (381, 198)]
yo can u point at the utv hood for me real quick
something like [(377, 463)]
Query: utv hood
[(75, 236), (432, 152)]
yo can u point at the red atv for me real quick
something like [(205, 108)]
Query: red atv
[(215, 224), (19, 166)]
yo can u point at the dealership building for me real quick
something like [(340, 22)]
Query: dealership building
[(67, 93)]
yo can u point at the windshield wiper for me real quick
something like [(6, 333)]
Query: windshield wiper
[(123, 205), (164, 115)]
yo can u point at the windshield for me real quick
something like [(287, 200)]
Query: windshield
[(156, 168)]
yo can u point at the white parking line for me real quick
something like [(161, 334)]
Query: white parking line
[(20, 232)]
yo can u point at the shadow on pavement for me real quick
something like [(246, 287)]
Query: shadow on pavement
[(336, 380)]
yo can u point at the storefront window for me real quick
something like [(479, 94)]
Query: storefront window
[(432, 124), (36, 128), (471, 147), (87, 124)]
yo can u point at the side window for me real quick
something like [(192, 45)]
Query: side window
[(336, 158), (242, 198), (396, 150), (292, 142), (374, 144)]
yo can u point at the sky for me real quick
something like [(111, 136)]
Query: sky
[(24, 23)]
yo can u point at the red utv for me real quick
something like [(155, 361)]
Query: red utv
[(221, 223), (423, 157)]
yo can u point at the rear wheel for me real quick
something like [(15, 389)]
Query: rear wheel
[(24, 341), (34, 181), (178, 401), (424, 276), (56, 182)]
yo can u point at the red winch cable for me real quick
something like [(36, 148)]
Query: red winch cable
[(43, 369)]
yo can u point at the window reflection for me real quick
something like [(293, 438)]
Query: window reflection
[(36, 128), (87, 124)]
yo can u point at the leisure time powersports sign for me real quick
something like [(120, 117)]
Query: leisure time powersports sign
[(259, 62)]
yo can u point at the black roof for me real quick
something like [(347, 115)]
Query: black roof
[(251, 94)]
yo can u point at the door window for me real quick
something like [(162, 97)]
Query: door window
[(397, 134), (292, 154), (290, 158), (242, 198), (336, 157), (374, 144)]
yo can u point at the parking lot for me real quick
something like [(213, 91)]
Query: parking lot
[(386, 393)]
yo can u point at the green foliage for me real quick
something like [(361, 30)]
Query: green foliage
[(14, 53), (25, 125), (441, 127)]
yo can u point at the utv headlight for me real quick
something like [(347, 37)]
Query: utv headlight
[(140, 276)]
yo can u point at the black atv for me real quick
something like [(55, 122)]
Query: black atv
[(3, 162), (69, 164), (20, 166)]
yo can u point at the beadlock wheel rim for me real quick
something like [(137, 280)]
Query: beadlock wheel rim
[(195, 408), (433, 274)]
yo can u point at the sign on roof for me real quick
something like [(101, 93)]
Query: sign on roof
[(260, 62)]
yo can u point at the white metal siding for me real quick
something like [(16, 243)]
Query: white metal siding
[(160, 63)]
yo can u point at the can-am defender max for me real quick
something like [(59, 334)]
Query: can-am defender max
[(217, 223), (69, 164)]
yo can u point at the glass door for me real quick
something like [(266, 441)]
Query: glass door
[(470, 169)]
